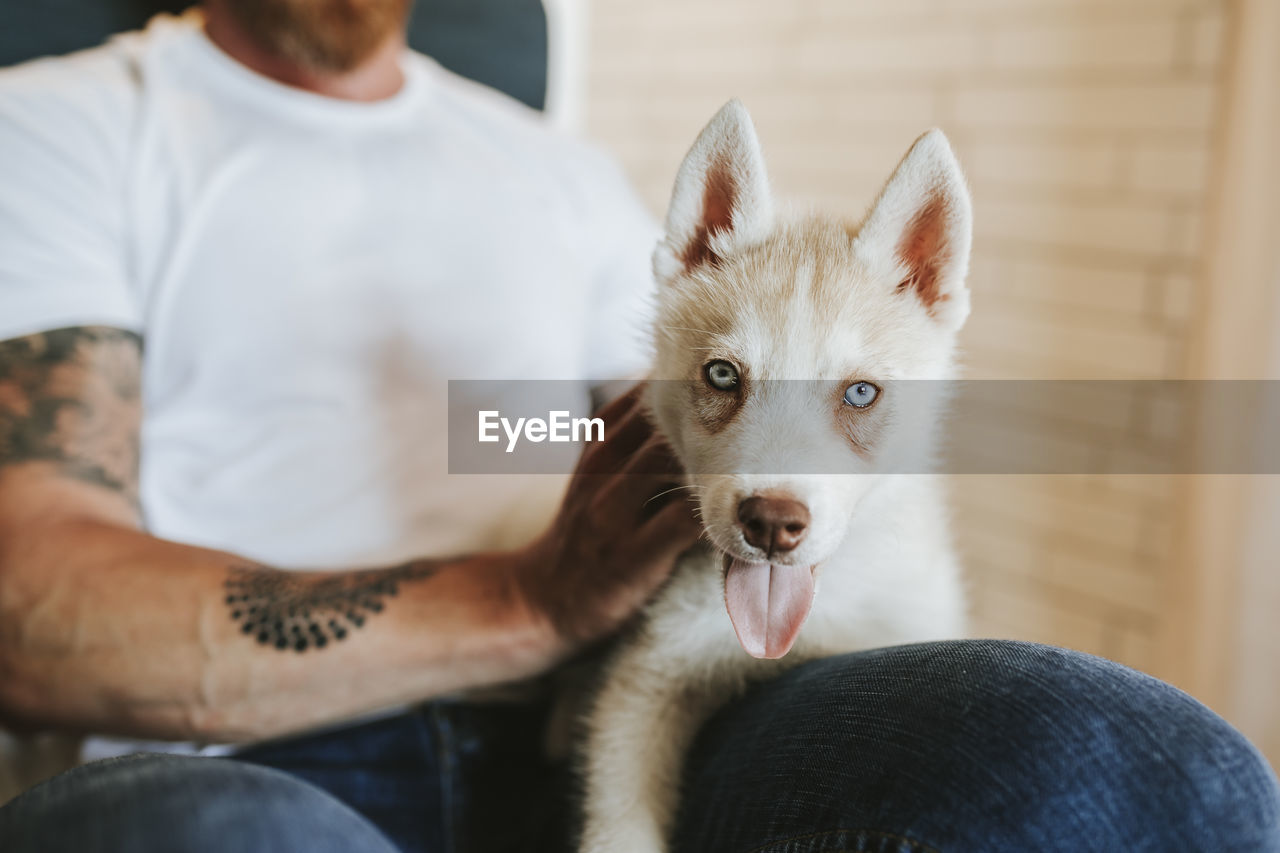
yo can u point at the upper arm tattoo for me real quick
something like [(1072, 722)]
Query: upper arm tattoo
[(295, 610), (71, 397)]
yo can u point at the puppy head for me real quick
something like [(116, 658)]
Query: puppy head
[(781, 343)]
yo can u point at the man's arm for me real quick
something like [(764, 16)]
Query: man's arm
[(104, 628)]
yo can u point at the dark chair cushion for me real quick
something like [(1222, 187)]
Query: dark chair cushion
[(501, 43)]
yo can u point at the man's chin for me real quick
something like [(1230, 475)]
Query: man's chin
[(322, 36)]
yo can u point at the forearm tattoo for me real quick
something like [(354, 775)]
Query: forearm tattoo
[(72, 397), (300, 611)]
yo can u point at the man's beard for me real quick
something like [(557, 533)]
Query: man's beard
[(320, 35)]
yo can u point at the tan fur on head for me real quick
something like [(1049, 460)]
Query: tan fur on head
[(809, 299)]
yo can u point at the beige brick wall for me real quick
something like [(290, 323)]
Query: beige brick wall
[(1087, 132)]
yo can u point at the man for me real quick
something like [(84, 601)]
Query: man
[(306, 231), (253, 243)]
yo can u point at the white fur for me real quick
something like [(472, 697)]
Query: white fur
[(813, 300)]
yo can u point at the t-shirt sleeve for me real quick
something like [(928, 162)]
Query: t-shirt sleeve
[(618, 340), (63, 248)]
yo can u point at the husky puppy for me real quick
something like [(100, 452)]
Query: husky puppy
[(781, 346)]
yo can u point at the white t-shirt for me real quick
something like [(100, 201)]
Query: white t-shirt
[(307, 273)]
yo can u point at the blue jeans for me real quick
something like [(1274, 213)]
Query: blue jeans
[(957, 747)]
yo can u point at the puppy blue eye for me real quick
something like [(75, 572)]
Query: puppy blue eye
[(721, 375), (861, 394)]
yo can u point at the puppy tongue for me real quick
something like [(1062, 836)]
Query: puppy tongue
[(767, 605)]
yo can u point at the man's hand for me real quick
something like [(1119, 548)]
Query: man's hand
[(624, 521)]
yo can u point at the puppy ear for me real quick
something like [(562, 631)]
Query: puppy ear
[(721, 202), (920, 228)]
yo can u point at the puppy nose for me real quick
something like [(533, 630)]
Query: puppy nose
[(774, 525)]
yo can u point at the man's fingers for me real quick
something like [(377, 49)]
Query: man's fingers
[(618, 406), (625, 432), (630, 498), (673, 530), (653, 459), (650, 471)]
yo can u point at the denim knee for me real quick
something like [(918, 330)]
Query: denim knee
[(974, 746), (153, 803), (1107, 756)]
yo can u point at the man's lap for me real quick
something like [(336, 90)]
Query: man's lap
[(969, 746), (153, 803), (450, 776), (973, 746)]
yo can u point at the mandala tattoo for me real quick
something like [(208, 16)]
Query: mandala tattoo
[(297, 611)]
